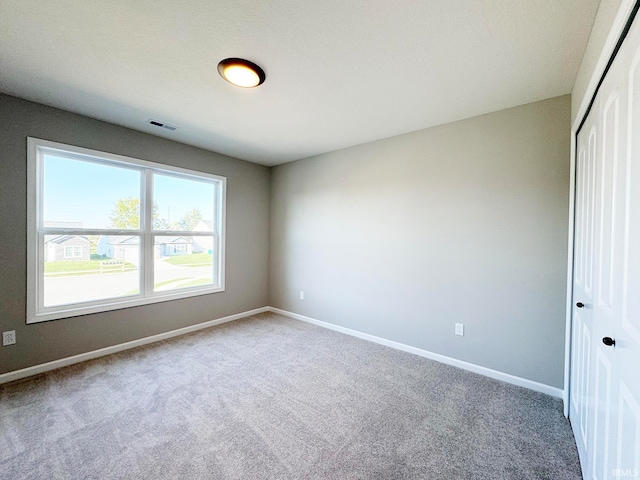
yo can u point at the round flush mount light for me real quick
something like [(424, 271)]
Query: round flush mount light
[(241, 73)]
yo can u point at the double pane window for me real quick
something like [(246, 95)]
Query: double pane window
[(109, 232)]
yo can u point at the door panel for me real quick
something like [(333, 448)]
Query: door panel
[(580, 207), (590, 211), (586, 377), (631, 284), (609, 188), (628, 444), (602, 417)]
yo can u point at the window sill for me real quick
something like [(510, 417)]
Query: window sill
[(68, 311)]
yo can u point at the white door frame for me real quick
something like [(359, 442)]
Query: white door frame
[(618, 26)]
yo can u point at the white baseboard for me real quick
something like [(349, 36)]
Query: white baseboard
[(505, 377), (63, 362)]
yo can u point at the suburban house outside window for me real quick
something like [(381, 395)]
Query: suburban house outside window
[(108, 232)]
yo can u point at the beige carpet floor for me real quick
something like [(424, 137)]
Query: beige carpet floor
[(268, 397)]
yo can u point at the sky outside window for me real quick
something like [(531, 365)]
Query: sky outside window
[(176, 199), (85, 192)]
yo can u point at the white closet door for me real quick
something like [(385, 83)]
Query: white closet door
[(605, 371), (583, 289)]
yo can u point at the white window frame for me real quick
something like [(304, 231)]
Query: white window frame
[(36, 311)]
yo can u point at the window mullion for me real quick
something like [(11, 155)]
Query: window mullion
[(146, 211), (87, 231)]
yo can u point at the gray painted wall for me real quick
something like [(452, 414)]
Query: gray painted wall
[(248, 187), (399, 238), (465, 222)]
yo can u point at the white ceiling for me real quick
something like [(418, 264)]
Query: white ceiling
[(339, 72)]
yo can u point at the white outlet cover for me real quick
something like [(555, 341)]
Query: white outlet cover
[(8, 338), (301, 295), (460, 329)]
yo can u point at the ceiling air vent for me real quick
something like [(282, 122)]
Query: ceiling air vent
[(161, 125)]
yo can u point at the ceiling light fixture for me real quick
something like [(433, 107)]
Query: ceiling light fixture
[(241, 73)]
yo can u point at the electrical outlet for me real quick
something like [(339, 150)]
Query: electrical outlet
[(8, 338), (301, 295), (460, 329)]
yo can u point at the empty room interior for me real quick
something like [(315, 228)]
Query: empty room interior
[(320, 240)]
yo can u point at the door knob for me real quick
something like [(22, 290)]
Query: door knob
[(608, 341), (579, 304)]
